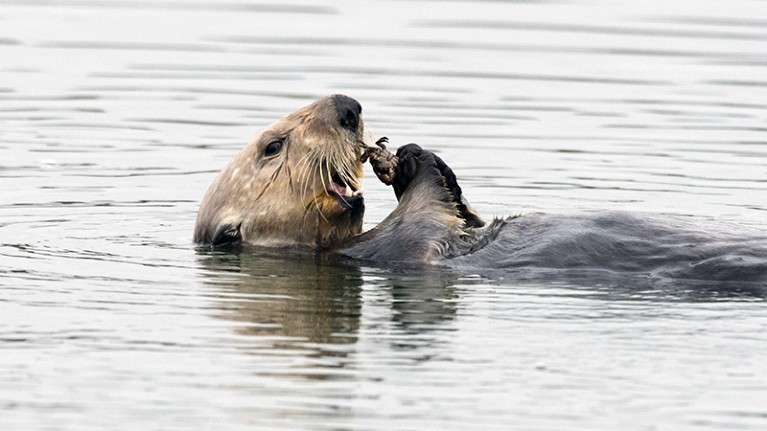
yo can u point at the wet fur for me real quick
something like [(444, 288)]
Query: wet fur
[(617, 242), (421, 228), (429, 227)]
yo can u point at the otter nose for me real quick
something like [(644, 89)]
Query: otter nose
[(349, 111)]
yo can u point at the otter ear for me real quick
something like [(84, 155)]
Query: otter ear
[(226, 234)]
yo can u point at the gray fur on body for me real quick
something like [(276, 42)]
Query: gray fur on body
[(421, 229), (427, 228), (663, 247)]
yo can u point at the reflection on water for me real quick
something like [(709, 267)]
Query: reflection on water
[(295, 301), (116, 116), (290, 299)]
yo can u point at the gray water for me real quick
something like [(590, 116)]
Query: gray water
[(115, 116)]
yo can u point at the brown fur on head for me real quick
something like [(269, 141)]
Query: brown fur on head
[(293, 184)]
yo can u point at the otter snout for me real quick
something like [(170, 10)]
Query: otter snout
[(348, 110)]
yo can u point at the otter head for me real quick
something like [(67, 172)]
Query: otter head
[(298, 183)]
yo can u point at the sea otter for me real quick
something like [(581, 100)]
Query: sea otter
[(299, 185)]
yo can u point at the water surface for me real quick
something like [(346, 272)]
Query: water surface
[(116, 116)]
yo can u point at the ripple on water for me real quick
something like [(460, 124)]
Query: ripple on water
[(116, 116)]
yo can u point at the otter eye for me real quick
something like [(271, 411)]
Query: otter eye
[(273, 148)]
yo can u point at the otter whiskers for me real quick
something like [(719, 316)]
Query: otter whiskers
[(335, 166)]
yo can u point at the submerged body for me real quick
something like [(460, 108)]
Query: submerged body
[(625, 243), (430, 224), (433, 224)]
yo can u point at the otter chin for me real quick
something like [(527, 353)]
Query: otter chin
[(298, 183)]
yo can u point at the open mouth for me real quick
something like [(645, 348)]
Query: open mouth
[(340, 188)]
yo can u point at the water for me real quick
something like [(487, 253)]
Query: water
[(116, 116)]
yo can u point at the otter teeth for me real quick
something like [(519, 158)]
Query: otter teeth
[(341, 188)]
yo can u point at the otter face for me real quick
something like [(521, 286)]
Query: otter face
[(298, 183)]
